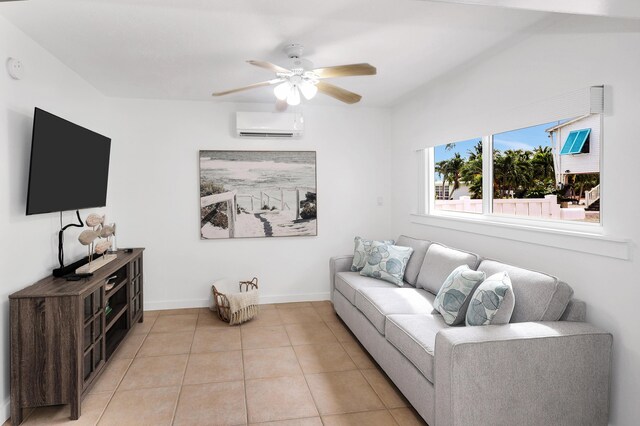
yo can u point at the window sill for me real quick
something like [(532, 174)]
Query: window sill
[(580, 241)]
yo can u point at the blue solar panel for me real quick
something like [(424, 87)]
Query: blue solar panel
[(575, 142)]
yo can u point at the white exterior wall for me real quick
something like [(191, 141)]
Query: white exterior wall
[(579, 163)]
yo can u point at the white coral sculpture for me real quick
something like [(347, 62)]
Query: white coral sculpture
[(98, 230)]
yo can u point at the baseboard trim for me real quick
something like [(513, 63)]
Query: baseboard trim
[(203, 303)]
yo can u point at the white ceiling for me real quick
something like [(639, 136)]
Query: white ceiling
[(185, 49)]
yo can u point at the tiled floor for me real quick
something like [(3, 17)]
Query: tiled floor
[(296, 364)]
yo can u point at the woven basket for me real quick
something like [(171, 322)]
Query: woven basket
[(221, 301)]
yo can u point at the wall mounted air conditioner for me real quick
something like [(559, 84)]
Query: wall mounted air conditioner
[(269, 125)]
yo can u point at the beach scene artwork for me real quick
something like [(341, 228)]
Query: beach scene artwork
[(245, 194)]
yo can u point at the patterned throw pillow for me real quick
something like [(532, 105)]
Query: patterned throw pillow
[(386, 262), (492, 302), (360, 253), (454, 295)]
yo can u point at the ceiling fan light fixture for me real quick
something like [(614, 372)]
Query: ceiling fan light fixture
[(283, 90), (308, 89), (294, 96)]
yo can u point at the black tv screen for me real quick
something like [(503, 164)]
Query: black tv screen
[(69, 166)]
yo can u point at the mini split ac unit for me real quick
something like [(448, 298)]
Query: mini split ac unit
[(269, 125)]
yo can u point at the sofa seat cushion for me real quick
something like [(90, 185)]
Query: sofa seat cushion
[(377, 303), (415, 337), (347, 283), (539, 297)]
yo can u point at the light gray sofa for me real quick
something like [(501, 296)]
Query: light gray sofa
[(546, 367)]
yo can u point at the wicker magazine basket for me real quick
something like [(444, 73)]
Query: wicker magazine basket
[(222, 302)]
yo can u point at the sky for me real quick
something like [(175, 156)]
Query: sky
[(528, 138)]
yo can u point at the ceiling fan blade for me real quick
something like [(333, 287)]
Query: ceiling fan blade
[(251, 86), (268, 66), (338, 92), (345, 70)]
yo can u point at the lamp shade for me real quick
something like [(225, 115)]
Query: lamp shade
[(308, 89), (294, 96), (282, 90)]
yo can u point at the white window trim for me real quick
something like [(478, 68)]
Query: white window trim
[(581, 237), (583, 242)]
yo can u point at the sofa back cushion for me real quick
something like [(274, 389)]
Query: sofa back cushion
[(539, 297), (415, 262), (439, 262)]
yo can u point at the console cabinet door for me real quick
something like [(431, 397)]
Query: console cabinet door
[(93, 341), (136, 288)]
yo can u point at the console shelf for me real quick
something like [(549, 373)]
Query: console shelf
[(62, 338)]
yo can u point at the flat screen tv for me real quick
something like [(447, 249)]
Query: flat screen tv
[(69, 166)]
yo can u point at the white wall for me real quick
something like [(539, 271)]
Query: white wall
[(573, 53), (155, 192), (29, 243)]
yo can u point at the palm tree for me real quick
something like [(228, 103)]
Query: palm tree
[(472, 171), (542, 162), (451, 171), (512, 172)]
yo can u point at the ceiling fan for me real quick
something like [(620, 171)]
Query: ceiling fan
[(302, 77)]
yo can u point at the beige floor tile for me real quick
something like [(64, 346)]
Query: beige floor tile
[(291, 305), (174, 323), (214, 367), (92, 408), (309, 421), (145, 326), (342, 392), (216, 340), (323, 358), (111, 376), (182, 311), (369, 418), (209, 319), (279, 398), (264, 337), (270, 362), (267, 306), (307, 334), (153, 372), (157, 344), (299, 315), (359, 355), (321, 303), (267, 318), (325, 309), (151, 314), (129, 346), (341, 331), (212, 404), (407, 417), (385, 389), (141, 407)]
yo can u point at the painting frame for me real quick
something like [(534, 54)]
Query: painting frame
[(282, 205)]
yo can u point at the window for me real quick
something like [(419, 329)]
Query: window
[(549, 172), (457, 178)]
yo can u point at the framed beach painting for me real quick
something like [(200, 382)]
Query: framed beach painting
[(246, 194)]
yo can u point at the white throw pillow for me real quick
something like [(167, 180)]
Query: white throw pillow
[(454, 295), (362, 247), (492, 302)]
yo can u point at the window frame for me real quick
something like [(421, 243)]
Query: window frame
[(488, 216)]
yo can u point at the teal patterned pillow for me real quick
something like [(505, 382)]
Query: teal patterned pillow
[(454, 295), (492, 302), (360, 253), (386, 262)]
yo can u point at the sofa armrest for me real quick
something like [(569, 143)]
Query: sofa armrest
[(338, 264), (531, 373)]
